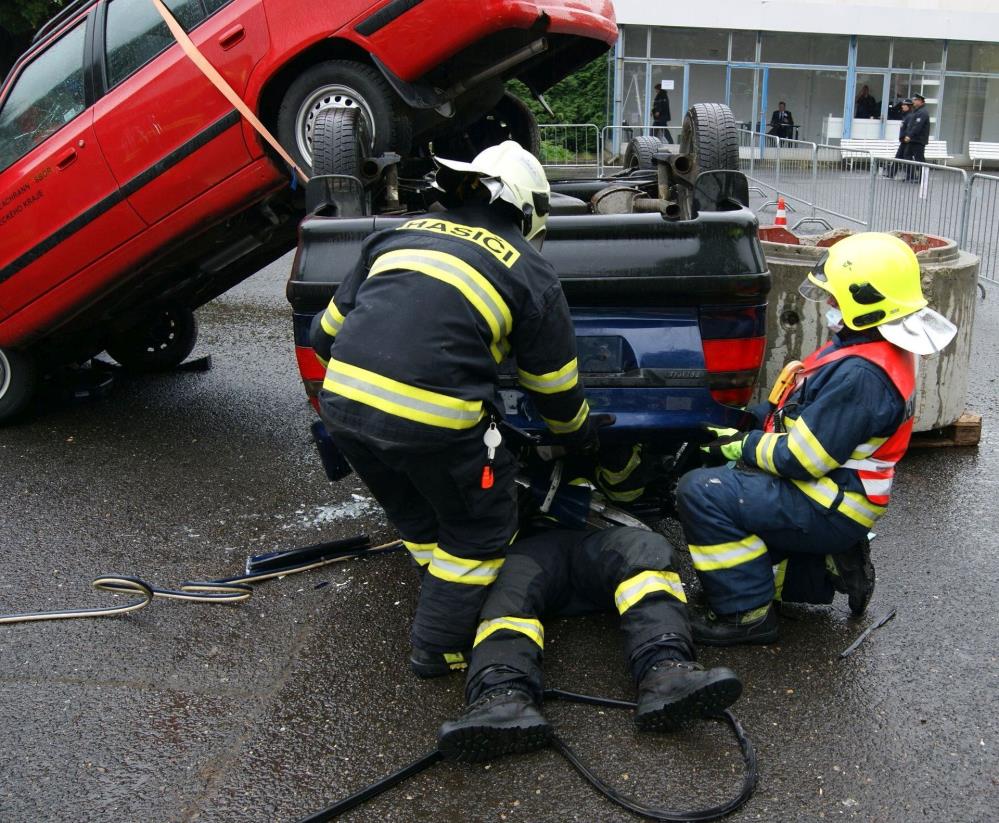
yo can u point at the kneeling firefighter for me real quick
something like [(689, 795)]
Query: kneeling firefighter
[(560, 572), (412, 343), (818, 474)]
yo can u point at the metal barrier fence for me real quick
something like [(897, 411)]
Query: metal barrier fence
[(570, 145), (980, 227), (821, 184), (614, 142)]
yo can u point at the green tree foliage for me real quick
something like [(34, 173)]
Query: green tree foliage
[(579, 98), (26, 16)]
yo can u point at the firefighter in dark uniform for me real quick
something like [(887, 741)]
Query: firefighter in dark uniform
[(559, 572), (412, 343), (792, 523), (917, 134)]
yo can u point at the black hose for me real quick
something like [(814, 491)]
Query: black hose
[(749, 780)]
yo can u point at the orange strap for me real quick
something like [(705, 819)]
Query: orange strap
[(219, 82)]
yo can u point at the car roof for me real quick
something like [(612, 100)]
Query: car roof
[(65, 14)]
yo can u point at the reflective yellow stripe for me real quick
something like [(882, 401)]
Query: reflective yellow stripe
[(625, 496), (859, 509), (551, 382), (645, 583), (809, 452), (614, 478), (727, 555), (462, 570), (569, 426), (449, 269), (332, 320), (780, 572), (455, 661), (868, 448), (401, 399), (421, 552), (765, 452), (525, 625), (823, 491)]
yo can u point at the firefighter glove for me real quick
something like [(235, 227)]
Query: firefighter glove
[(727, 443)]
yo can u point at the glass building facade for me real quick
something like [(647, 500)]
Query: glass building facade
[(820, 78)]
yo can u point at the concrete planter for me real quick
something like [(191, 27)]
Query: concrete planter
[(796, 327)]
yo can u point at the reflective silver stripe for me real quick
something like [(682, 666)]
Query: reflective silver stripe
[(868, 448), (869, 465), (800, 443), (331, 325), (463, 570), (422, 552), (864, 513), (527, 626), (876, 486)]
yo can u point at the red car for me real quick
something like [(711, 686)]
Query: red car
[(131, 192)]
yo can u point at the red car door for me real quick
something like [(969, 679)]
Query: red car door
[(168, 133), (60, 207)]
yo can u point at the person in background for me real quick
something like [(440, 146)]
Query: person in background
[(917, 134), (781, 122), (906, 109), (866, 107), (661, 114)]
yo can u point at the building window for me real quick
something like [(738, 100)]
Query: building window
[(873, 51), (744, 46), (689, 44), (636, 41), (636, 110), (968, 103), (917, 54), (811, 96), (810, 49), (978, 57)]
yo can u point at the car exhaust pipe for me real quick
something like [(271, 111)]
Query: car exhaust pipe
[(530, 50)]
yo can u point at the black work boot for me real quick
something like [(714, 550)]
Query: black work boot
[(436, 664), (854, 575), (502, 721), (757, 626), (674, 692)]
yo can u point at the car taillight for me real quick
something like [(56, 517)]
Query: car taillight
[(732, 365), (312, 373)]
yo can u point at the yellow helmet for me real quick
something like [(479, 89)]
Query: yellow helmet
[(873, 277)]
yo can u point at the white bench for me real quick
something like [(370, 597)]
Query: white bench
[(982, 151), (885, 149)]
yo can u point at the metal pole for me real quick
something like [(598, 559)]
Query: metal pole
[(872, 181), (815, 177), (966, 211)]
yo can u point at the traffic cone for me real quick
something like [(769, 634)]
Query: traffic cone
[(781, 218)]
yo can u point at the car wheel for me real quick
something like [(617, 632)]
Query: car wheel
[(711, 136), (639, 153), (162, 342), (18, 379), (339, 142), (342, 84)]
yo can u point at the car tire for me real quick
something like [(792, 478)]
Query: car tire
[(339, 142), (159, 344), (18, 381), (343, 84), (639, 153), (710, 134)]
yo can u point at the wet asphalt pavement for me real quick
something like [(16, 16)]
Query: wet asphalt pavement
[(268, 710)]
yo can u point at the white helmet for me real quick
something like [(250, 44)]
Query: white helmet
[(514, 175)]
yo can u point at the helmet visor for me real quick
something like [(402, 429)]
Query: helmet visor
[(810, 288)]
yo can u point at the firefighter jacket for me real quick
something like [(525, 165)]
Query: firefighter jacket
[(414, 336), (842, 425)]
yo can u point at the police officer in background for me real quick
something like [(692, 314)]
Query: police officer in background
[(818, 473), (906, 108), (412, 343), (917, 134)]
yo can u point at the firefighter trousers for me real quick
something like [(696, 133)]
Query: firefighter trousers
[(742, 524), (562, 572), (454, 529)]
